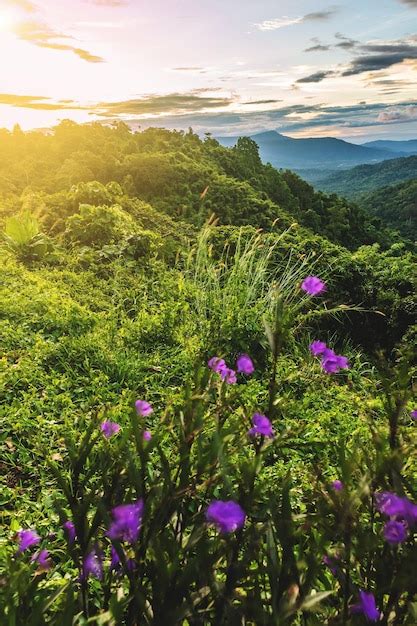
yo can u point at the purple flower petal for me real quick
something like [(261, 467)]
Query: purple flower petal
[(228, 376), (109, 429), (43, 560), (216, 364), (337, 485), (313, 285), (261, 426), (332, 563), (147, 435), (93, 565), (143, 408), (27, 539), (227, 515), (395, 532), (367, 606), (332, 363), (69, 529), (317, 347), (244, 365), (127, 520), (414, 414), (391, 505)]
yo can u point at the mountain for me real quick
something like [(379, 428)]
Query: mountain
[(409, 147), (396, 206), (366, 178), (287, 152)]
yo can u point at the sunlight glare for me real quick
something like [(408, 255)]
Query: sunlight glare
[(7, 20)]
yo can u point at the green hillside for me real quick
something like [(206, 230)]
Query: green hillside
[(353, 182), (130, 261), (396, 206)]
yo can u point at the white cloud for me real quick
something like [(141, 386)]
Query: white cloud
[(404, 114), (279, 22)]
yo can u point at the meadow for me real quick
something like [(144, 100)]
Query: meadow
[(207, 409)]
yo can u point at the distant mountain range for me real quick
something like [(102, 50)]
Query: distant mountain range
[(355, 181), (322, 153), (409, 147)]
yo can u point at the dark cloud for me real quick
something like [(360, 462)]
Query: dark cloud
[(320, 15), (317, 77), (262, 102), (41, 35), (285, 119), (410, 3), (318, 47), (346, 43), (375, 57), (174, 103)]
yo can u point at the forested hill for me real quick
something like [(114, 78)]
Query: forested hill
[(396, 206), (357, 180), (171, 170), (103, 201)]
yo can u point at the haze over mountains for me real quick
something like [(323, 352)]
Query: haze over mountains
[(324, 152)]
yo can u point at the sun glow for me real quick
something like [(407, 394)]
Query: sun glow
[(7, 20)]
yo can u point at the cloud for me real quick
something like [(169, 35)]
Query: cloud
[(317, 77), (282, 22), (25, 5), (261, 102), (173, 104), (376, 56), (109, 3), (318, 47), (405, 114), (279, 22), (346, 43), (410, 3), (320, 15), (188, 69), (40, 103), (41, 35)]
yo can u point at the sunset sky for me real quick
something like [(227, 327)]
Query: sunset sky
[(302, 67)]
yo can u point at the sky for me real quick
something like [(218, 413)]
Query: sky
[(306, 68)]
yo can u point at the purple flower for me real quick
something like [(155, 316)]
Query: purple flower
[(244, 364), (414, 414), (261, 426), (391, 505), (43, 560), (216, 364), (115, 560), (337, 485), (395, 532), (127, 520), (228, 376), (313, 285), (109, 429), (92, 565), (317, 347), (367, 606), (332, 363), (69, 529), (147, 435), (143, 408), (227, 516), (27, 539), (332, 563)]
